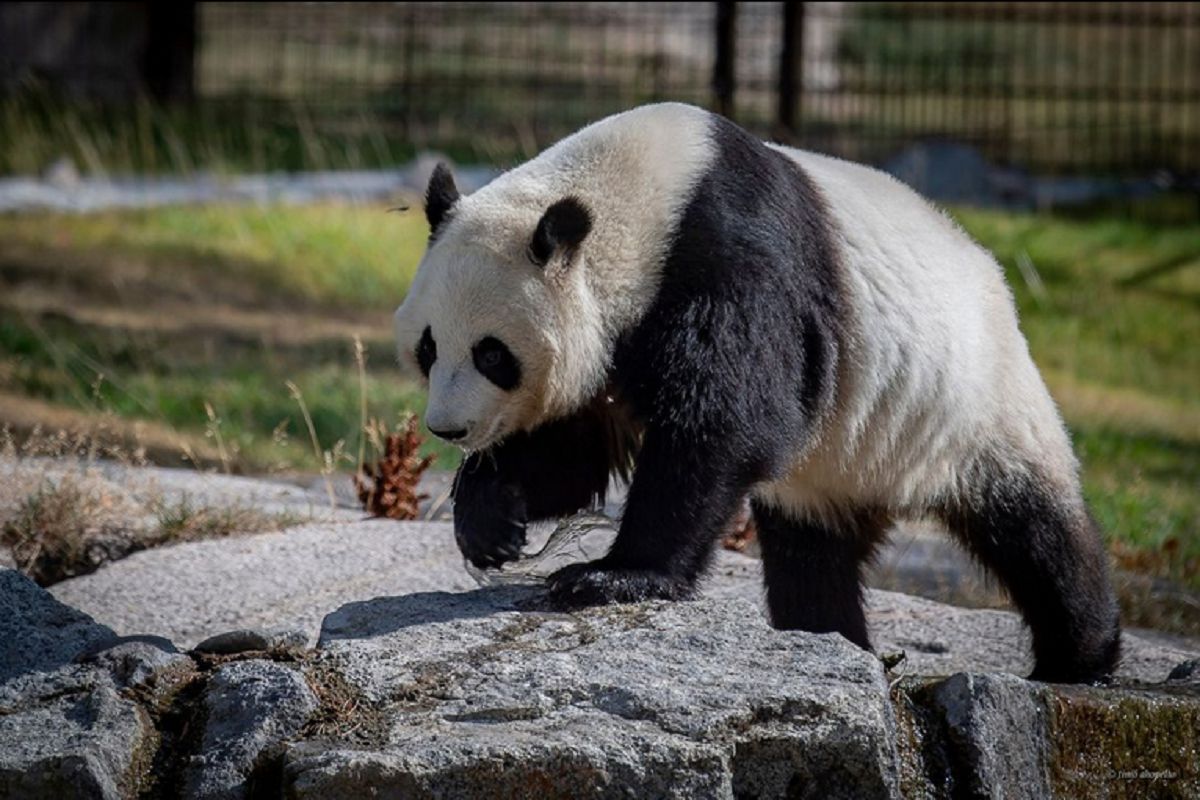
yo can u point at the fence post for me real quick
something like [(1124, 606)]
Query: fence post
[(723, 65), (168, 67), (791, 70)]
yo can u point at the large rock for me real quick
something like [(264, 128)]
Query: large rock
[(69, 733), (67, 729), (284, 579), (995, 736), (293, 578), (38, 633), (993, 732), (250, 708), (487, 692), (290, 579), (422, 684), (472, 696)]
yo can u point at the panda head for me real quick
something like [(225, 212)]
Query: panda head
[(490, 321)]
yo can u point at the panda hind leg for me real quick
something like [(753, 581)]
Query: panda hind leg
[(813, 569), (1045, 548)]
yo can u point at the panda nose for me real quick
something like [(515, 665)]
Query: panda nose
[(449, 436)]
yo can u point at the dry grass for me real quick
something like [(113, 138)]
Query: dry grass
[(60, 531), (183, 520), (343, 713), (61, 517), (67, 529), (78, 433)]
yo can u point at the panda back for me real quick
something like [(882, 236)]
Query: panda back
[(935, 371)]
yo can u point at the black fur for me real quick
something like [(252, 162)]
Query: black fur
[(426, 351), (497, 363), (489, 511), (728, 370), (440, 197), (558, 469), (813, 570), (1054, 566), (564, 226)]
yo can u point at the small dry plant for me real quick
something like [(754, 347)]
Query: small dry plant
[(389, 487)]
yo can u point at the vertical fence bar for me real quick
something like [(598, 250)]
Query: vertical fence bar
[(168, 64), (791, 71), (723, 65)]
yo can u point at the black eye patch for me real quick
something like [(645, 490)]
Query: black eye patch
[(496, 362), (426, 352)]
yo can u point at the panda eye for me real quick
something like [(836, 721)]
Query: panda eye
[(426, 352), (496, 362)]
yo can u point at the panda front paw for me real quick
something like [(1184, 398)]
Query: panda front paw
[(597, 583), (489, 518), (491, 545)]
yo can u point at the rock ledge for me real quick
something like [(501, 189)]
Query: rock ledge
[(488, 692)]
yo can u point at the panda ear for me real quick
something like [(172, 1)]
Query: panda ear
[(440, 197), (563, 227)]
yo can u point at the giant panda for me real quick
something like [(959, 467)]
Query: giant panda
[(662, 292)]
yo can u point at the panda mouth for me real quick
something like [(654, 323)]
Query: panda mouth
[(474, 444)]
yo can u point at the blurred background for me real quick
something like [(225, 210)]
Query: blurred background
[(197, 264)]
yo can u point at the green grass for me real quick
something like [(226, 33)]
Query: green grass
[(162, 315), (342, 255), (167, 314), (1122, 300)]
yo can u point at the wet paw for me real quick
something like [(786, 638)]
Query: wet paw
[(595, 583)]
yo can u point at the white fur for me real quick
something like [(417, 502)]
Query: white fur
[(632, 171), (935, 376)]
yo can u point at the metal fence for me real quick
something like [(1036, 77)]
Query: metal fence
[(1110, 88)]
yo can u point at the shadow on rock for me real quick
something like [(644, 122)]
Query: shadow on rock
[(38, 633), (383, 615)]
